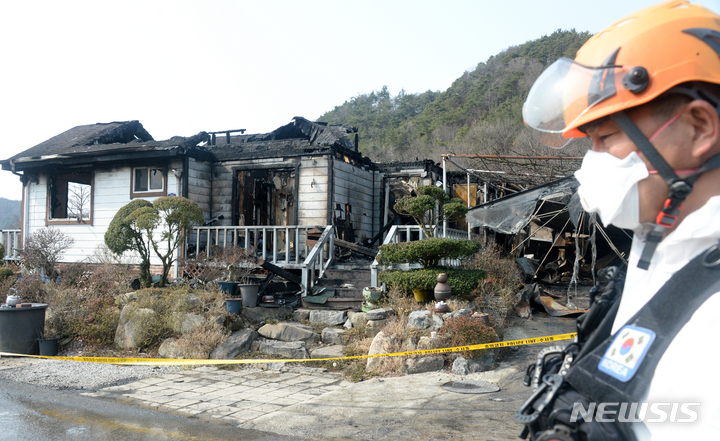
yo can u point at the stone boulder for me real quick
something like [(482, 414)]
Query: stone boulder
[(289, 332), (328, 317), (258, 316), (333, 351), (378, 314), (172, 348), (372, 327), (183, 323), (423, 364), (289, 349), (424, 320), (301, 315), (463, 366), (236, 343), (333, 336), (381, 344), (135, 327)]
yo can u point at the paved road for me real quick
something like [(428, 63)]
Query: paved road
[(34, 413)]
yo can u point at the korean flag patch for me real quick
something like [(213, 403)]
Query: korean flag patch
[(623, 357)]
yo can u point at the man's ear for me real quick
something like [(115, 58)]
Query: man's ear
[(706, 124)]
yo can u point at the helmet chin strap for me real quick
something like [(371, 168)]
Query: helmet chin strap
[(678, 189)]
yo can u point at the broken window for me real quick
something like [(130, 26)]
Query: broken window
[(70, 197), (148, 181)]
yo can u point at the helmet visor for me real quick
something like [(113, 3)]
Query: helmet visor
[(562, 94)]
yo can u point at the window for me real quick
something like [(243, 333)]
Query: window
[(70, 197), (148, 181)]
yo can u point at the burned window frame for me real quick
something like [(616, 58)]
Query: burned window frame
[(134, 194), (54, 201)]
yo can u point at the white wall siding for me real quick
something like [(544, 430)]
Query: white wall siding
[(111, 191)]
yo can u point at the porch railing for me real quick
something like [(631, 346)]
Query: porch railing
[(317, 261), (11, 240), (280, 245), (407, 233), (284, 246)]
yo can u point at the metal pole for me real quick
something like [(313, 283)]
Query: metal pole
[(445, 190)]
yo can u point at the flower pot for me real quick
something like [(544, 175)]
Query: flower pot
[(229, 288), (419, 295), (48, 346), (233, 305), (249, 294), (442, 289)]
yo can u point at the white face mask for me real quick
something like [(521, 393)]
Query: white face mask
[(609, 187)]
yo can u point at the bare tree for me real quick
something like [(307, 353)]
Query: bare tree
[(78, 201)]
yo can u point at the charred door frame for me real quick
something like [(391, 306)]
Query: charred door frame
[(275, 166)]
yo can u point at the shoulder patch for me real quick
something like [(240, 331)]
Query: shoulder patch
[(626, 352)]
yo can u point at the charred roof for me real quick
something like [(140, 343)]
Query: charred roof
[(301, 136), (104, 142)]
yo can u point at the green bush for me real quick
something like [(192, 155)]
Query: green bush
[(5, 273), (462, 282), (2, 253), (428, 252)]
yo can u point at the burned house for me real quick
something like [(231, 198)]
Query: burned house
[(268, 189)]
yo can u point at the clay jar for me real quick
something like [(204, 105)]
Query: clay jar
[(442, 289)]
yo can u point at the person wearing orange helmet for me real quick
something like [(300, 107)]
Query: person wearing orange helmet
[(646, 92)]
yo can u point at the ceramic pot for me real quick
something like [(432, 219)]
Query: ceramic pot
[(442, 289)]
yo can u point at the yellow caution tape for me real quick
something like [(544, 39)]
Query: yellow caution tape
[(181, 362)]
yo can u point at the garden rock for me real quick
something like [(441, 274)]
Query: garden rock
[(258, 316), (372, 327), (134, 328), (424, 320), (289, 332), (419, 319), (290, 349), (381, 344), (463, 366), (238, 342), (358, 319), (301, 315), (424, 364), (378, 314), (330, 318), (333, 336), (184, 323), (348, 324), (459, 312), (327, 352), (171, 348)]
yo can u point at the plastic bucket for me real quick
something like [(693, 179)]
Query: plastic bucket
[(249, 293), (48, 346), (233, 305)]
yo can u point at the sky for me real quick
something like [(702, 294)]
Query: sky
[(182, 67)]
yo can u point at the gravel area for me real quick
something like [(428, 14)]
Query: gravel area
[(76, 375)]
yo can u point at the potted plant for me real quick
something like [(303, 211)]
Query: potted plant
[(238, 264)]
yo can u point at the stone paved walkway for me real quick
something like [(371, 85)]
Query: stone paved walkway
[(226, 396)]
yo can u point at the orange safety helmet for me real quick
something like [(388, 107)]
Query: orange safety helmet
[(633, 61)]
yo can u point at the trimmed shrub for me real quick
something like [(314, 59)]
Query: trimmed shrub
[(428, 252), (462, 282)]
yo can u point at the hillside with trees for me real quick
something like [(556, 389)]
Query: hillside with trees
[(480, 113), (9, 214)]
